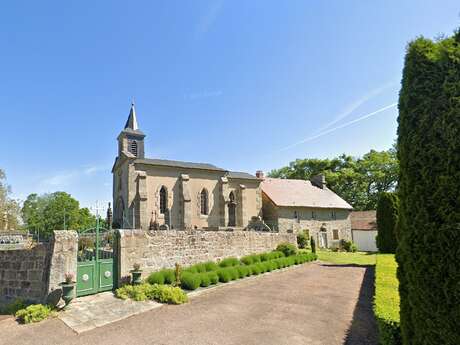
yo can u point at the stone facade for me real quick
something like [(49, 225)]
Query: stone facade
[(24, 273), (155, 250), (334, 223), (154, 192)]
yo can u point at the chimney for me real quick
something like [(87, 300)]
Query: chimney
[(260, 174), (318, 181)]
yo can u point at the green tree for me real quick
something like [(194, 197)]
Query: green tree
[(387, 218), (8, 206), (359, 181), (56, 211), (428, 252)]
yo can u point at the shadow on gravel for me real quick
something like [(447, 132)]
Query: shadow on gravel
[(363, 329)]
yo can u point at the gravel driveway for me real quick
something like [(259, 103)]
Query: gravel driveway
[(312, 304)]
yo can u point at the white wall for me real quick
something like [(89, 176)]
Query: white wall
[(365, 240)]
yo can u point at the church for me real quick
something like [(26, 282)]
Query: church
[(165, 194), (158, 194)]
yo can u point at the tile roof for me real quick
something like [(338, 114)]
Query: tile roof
[(364, 220), (301, 193)]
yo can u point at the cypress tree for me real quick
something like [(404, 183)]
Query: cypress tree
[(387, 217), (428, 252)]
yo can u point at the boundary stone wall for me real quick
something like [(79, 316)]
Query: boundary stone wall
[(35, 272), (155, 250), (24, 273)]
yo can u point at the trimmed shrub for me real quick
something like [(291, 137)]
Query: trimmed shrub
[(224, 275), (213, 277), (303, 239), (229, 262), (287, 248), (156, 278), (233, 273), (170, 276), (255, 269), (205, 280), (265, 257), (190, 281), (243, 271), (210, 266), (33, 313), (313, 245), (387, 217), (429, 188), (247, 260)]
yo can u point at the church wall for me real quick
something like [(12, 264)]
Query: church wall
[(252, 202), (170, 178), (155, 250)]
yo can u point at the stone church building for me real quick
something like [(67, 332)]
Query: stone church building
[(154, 193), (165, 194)]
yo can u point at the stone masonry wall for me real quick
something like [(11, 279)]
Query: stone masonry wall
[(33, 273), (162, 249), (24, 273)]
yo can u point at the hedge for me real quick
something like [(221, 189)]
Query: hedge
[(386, 300), (208, 273), (429, 187), (387, 217)]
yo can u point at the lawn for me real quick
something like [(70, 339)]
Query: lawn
[(386, 301), (343, 258)]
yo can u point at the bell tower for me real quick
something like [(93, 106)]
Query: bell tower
[(131, 138)]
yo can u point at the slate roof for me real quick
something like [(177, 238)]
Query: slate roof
[(364, 220), (179, 164), (301, 193), (241, 175)]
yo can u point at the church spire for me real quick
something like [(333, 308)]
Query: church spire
[(131, 123)]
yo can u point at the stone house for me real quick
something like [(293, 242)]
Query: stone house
[(296, 205), (157, 193)]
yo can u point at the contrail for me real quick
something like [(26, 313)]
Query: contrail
[(339, 127), (356, 104)]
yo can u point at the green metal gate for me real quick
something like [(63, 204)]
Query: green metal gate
[(96, 261)]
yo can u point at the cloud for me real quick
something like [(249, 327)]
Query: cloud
[(203, 94), (209, 17), (350, 108), (69, 177), (378, 111)]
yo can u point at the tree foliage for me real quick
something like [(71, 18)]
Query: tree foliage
[(8, 206), (359, 181), (56, 211), (387, 217), (429, 188)]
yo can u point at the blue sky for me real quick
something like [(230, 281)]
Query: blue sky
[(244, 85)]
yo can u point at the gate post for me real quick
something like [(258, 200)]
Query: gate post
[(64, 248)]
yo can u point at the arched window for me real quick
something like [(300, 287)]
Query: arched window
[(133, 147), (204, 201), (163, 199), (232, 197), (232, 210)]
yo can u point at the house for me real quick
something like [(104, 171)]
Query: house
[(166, 194), (296, 205), (364, 230)]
